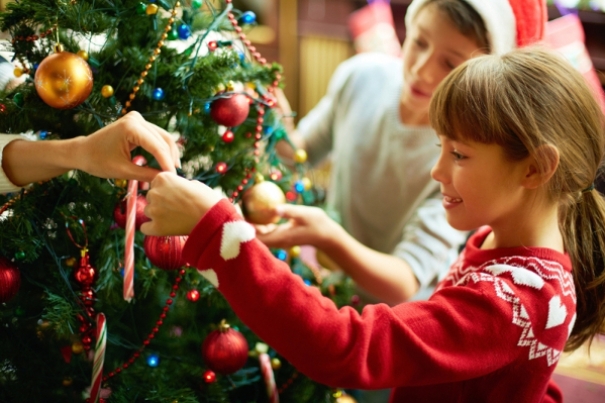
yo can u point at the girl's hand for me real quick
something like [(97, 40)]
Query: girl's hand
[(176, 205), (306, 226)]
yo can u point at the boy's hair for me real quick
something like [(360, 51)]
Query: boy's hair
[(465, 18), (521, 101)]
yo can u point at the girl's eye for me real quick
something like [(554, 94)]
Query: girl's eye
[(457, 155)]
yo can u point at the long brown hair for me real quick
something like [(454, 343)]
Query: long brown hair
[(520, 101), (465, 18)]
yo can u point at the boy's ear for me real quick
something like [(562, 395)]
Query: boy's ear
[(541, 166)]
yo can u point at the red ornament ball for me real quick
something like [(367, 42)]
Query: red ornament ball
[(165, 252), (119, 213), (230, 111), (10, 280), (225, 350), (209, 377), (193, 295)]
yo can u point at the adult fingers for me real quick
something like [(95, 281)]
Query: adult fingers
[(169, 140)]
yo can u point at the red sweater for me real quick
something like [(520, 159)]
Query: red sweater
[(492, 331)]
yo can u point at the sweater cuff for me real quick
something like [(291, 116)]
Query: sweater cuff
[(207, 230), (6, 186)]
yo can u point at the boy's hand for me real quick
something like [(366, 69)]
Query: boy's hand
[(176, 205), (306, 226)]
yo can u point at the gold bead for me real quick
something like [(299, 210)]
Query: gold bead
[(136, 88), (70, 262), (300, 156), (157, 51), (132, 96), (170, 20), (77, 347), (107, 91), (230, 86), (151, 9), (83, 54), (143, 74), (164, 36), (178, 4), (121, 183), (147, 66), (18, 71), (140, 81), (295, 251), (275, 363), (307, 183), (161, 43), (127, 104), (67, 381), (152, 58)]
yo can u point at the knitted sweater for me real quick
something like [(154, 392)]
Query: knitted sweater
[(492, 332), (381, 189)]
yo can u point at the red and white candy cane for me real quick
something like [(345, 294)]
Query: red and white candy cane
[(99, 358), (131, 215), (267, 372)]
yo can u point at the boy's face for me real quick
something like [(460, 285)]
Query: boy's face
[(432, 49)]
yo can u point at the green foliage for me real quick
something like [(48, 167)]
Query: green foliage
[(43, 230)]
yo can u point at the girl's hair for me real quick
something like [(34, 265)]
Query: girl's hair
[(522, 101), (465, 18)]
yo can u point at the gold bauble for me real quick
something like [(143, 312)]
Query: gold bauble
[(260, 202), (295, 251), (151, 9), (63, 80), (300, 156), (18, 72)]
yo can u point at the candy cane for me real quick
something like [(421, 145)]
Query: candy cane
[(99, 358), (131, 215), (267, 373)]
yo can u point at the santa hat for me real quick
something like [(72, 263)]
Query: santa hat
[(509, 23)]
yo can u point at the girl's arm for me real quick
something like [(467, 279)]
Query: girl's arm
[(386, 276), (105, 153)]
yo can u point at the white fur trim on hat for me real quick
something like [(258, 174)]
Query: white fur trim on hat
[(498, 17)]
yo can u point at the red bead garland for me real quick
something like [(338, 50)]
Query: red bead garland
[(153, 332)]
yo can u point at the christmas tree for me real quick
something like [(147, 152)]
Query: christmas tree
[(92, 310)]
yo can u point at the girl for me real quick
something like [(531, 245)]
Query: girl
[(521, 140), (374, 123)]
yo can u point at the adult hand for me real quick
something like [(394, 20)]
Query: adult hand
[(306, 226), (175, 205), (106, 153)]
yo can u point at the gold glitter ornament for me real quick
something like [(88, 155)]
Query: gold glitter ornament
[(260, 201), (63, 80)]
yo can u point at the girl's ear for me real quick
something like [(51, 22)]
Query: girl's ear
[(541, 167)]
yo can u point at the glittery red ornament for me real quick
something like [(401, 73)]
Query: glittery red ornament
[(230, 111), (10, 280), (85, 273), (225, 350), (193, 295), (165, 252), (119, 213)]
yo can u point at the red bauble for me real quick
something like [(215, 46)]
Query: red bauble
[(165, 252), (10, 280), (209, 376), (225, 350), (230, 111), (119, 213)]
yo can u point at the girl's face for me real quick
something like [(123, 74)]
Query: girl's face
[(432, 49), (480, 186)]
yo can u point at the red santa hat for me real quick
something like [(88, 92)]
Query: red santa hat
[(509, 23)]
